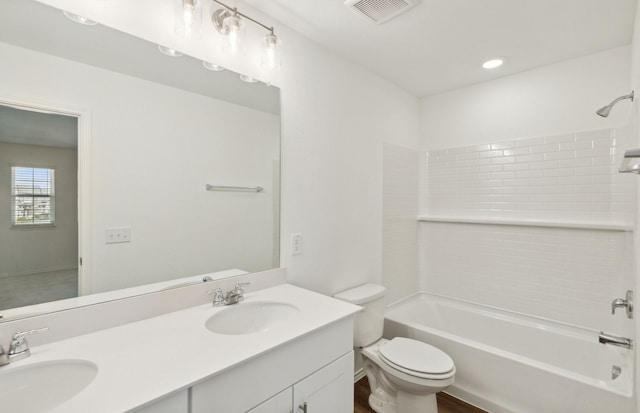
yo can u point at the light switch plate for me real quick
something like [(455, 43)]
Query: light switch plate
[(117, 235), (296, 244)]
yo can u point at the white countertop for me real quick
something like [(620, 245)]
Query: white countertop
[(149, 359)]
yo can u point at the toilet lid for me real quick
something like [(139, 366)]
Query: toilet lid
[(416, 356)]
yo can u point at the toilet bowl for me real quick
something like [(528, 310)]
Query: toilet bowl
[(404, 374)]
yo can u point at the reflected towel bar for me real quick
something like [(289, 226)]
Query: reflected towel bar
[(234, 188)]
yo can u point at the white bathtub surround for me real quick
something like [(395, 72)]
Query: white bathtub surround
[(512, 363), (540, 226), (158, 364), (568, 275)]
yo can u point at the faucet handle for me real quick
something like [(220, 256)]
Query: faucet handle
[(19, 348), (4, 359), (218, 297), (238, 287)]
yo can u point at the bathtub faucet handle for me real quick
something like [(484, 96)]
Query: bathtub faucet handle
[(627, 302)]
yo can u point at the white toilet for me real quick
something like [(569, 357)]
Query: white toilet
[(404, 374)]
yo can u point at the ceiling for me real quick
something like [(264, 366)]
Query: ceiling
[(441, 44), (29, 127)]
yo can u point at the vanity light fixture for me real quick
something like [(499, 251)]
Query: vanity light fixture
[(230, 23), (493, 63), (79, 19), (212, 66), (169, 51), (271, 52), (232, 28), (188, 18)]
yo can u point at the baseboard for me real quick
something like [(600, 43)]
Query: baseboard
[(358, 375), (475, 400), (15, 274)]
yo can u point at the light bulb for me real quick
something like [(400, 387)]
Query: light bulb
[(233, 29), (271, 52), (188, 17)]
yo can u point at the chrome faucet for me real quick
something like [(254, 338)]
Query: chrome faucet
[(19, 348), (233, 296), (627, 302), (605, 338)]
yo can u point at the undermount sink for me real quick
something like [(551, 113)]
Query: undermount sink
[(249, 318), (43, 386)]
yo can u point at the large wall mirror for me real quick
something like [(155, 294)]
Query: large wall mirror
[(108, 152)]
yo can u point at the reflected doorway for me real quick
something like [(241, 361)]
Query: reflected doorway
[(38, 206)]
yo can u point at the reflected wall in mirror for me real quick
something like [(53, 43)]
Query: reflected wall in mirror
[(154, 131)]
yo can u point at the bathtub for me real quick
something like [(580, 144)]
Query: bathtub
[(512, 363)]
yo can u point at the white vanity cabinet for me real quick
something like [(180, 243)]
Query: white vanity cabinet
[(316, 368), (280, 403), (329, 389)]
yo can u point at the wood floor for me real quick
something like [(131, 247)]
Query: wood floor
[(446, 403)]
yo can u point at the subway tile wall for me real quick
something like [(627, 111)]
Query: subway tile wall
[(572, 177), (568, 275)]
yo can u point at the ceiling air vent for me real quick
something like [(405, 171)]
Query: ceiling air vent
[(379, 11)]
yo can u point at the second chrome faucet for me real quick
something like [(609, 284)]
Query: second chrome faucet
[(232, 297)]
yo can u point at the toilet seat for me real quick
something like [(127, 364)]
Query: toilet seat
[(417, 359)]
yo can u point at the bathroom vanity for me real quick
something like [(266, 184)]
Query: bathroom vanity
[(280, 349)]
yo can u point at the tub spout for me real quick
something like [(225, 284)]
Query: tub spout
[(605, 338)]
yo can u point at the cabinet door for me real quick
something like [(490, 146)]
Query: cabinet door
[(280, 403), (329, 389)]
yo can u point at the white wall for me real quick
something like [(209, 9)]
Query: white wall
[(154, 149), (335, 117), (400, 193), (555, 99), (31, 250)]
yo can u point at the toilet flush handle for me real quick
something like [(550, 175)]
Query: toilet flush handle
[(303, 407)]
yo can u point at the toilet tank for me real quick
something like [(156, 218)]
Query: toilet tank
[(368, 323)]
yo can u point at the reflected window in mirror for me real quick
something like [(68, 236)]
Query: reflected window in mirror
[(32, 196)]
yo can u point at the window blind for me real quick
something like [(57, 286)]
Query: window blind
[(32, 196)]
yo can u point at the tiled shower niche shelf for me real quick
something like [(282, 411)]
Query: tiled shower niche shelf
[(590, 225)]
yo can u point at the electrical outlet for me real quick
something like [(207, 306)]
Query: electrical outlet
[(296, 244), (117, 235)]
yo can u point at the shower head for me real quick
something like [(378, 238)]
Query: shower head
[(604, 111)]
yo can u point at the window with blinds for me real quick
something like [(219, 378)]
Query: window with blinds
[(32, 196)]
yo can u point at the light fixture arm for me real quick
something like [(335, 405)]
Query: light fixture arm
[(219, 15)]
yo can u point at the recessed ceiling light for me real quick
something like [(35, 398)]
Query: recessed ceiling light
[(79, 19), (169, 51), (213, 66), (492, 64)]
